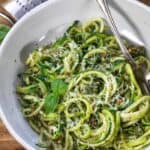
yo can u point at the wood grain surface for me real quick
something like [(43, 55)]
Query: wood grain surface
[(7, 142), (147, 2)]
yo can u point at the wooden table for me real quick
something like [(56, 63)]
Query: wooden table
[(146, 2), (7, 142)]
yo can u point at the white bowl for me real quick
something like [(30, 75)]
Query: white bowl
[(131, 17)]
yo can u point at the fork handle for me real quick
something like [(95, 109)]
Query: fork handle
[(103, 4)]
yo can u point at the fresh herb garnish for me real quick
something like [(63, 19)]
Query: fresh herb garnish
[(58, 88), (3, 31)]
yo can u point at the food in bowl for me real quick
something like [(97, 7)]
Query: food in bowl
[(80, 93)]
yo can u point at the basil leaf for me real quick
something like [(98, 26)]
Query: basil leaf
[(59, 87), (51, 101), (3, 31)]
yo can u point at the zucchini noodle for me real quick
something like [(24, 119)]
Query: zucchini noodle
[(79, 93)]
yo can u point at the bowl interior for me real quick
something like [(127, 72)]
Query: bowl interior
[(131, 18)]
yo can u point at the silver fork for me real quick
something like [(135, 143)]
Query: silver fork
[(141, 74)]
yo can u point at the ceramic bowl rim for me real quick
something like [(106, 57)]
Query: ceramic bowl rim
[(15, 27)]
